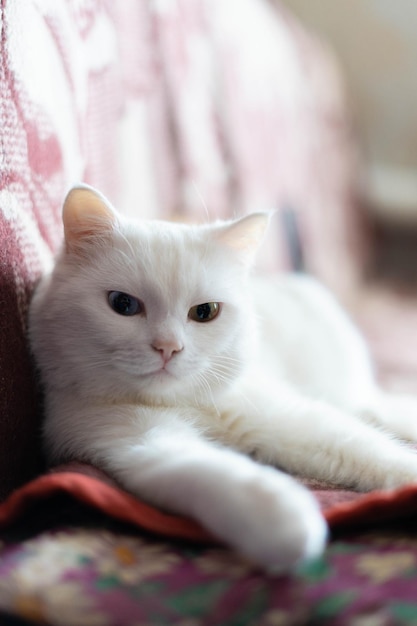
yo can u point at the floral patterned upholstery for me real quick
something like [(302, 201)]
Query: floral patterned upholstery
[(114, 577)]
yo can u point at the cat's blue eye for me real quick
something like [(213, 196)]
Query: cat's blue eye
[(125, 304), (204, 312)]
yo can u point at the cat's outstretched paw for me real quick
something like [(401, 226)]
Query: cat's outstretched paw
[(392, 472), (395, 413), (280, 525)]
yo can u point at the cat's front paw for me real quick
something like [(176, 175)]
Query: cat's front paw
[(396, 413), (282, 525), (397, 471)]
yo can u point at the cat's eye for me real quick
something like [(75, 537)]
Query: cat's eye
[(204, 312), (125, 304)]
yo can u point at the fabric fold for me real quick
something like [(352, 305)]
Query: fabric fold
[(90, 486)]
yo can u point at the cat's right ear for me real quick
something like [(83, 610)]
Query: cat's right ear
[(87, 216), (244, 235)]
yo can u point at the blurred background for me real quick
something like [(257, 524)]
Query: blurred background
[(375, 42)]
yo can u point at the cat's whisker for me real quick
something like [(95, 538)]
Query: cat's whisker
[(222, 373), (227, 357), (205, 387), (220, 377), (125, 259), (128, 257), (227, 362), (225, 365), (201, 198), (203, 384)]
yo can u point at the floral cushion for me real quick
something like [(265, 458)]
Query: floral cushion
[(116, 577), (78, 550)]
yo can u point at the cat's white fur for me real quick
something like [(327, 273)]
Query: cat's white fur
[(190, 416)]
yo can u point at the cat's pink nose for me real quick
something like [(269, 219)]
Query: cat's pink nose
[(167, 348)]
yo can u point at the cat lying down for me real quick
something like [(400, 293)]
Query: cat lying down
[(167, 365)]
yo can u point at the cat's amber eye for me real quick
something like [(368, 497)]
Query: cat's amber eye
[(204, 312), (125, 304)]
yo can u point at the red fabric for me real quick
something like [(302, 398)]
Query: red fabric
[(93, 487), (101, 495)]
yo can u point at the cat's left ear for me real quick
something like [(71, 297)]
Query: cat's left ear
[(87, 216), (244, 236)]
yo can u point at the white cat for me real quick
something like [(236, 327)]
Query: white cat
[(153, 368)]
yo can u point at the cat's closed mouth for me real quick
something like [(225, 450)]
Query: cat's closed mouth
[(162, 371)]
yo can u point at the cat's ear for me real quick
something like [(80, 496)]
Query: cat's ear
[(87, 215), (244, 236)]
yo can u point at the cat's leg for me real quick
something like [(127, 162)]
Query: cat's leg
[(315, 439), (395, 413), (261, 512)]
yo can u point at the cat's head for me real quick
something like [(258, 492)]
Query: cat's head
[(146, 310)]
